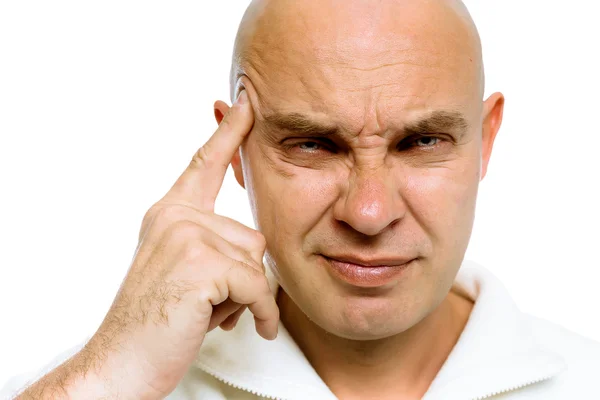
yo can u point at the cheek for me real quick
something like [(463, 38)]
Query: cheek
[(287, 200), (442, 200)]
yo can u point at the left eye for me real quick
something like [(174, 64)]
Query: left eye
[(426, 141)]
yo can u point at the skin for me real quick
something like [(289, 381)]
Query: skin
[(369, 72), (372, 188)]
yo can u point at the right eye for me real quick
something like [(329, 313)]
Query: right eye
[(309, 147)]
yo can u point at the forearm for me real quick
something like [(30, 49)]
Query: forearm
[(76, 378), (95, 372)]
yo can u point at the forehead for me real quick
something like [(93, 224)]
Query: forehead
[(362, 64)]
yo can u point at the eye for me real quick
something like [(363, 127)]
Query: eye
[(310, 146), (421, 142), (426, 141)]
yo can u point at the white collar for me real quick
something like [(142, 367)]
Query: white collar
[(496, 352)]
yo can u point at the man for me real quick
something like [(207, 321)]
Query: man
[(360, 135)]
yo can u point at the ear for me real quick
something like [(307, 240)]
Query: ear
[(493, 109), (221, 109)]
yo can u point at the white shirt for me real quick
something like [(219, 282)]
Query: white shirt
[(501, 354)]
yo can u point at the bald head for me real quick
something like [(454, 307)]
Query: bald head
[(353, 33)]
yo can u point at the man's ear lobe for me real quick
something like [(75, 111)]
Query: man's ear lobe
[(221, 109)]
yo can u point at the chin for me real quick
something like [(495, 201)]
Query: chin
[(370, 319), (351, 333)]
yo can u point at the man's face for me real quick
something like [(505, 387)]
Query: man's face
[(367, 144)]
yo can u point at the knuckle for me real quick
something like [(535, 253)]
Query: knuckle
[(201, 158), (162, 217), (169, 214), (151, 215), (194, 251), (256, 277), (184, 230), (250, 263), (211, 293), (258, 240)]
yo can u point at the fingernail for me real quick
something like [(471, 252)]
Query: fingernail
[(242, 97)]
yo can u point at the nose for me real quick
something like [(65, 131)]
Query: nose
[(371, 203)]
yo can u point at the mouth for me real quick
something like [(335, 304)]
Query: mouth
[(367, 273), (369, 262)]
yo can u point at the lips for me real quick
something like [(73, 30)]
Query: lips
[(367, 273), (371, 262)]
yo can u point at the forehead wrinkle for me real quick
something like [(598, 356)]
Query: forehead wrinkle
[(304, 70)]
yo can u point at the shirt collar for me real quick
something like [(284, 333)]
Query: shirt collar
[(496, 351)]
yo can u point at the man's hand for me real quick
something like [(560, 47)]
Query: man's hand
[(193, 271)]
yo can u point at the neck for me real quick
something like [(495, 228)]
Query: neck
[(400, 366)]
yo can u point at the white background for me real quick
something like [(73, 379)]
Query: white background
[(102, 104)]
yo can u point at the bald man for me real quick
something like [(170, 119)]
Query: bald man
[(360, 134)]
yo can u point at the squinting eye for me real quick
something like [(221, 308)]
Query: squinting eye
[(426, 141), (309, 146)]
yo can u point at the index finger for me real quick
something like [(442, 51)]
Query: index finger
[(201, 181)]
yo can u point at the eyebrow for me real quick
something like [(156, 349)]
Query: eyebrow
[(435, 122), (439, 122), (300, 124)]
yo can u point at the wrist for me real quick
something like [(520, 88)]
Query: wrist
[(114, 374)]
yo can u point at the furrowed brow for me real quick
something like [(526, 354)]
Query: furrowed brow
[(439, 122), (299, 124)]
